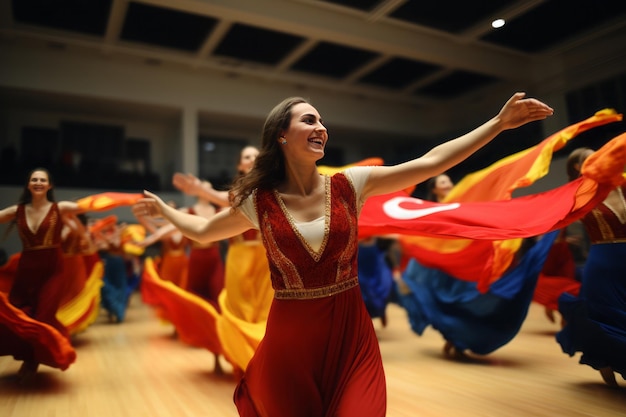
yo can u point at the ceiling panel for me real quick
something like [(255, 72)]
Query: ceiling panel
[(406, 50)]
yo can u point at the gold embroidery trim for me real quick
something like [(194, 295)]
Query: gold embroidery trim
[(315, 255), (310, 293)]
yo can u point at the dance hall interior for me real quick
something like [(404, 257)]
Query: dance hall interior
[(103, 100)]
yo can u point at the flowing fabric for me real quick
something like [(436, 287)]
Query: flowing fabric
[(83, 309), (114, 292), (174, 264), (558, 276), (430, 231), (246, 299), (108, 201), (194, 318), (29, 328), (596, 319), (375, 278), (469, 319), (320, 355), (29, 339)]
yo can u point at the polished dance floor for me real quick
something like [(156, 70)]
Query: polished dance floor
[(137, 368)]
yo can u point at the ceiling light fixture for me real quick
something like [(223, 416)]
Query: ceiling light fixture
[(498, 23)]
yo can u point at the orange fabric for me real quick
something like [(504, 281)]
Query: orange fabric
[(194, 318), (108, 201), (522, 169), (485, 220), (7, 273), (28, 339)]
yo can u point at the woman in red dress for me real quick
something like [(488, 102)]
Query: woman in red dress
[(39, 285), (320, 355)]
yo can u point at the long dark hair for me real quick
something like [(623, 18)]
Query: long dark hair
[(26, 197), (431, 184), (269, 166)]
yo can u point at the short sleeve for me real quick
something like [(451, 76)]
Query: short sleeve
[(249, 210), (358, 176)]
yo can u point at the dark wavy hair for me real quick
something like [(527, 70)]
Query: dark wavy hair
[(26, 197), (431, 184), (269, 166)]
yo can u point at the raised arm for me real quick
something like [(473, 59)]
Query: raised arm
[(225, 224), (516, 112)]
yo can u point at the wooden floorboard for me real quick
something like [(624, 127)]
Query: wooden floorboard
[(138, 369)]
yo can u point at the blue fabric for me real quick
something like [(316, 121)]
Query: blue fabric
[(596, 319), (114, 291), (469, 319), (375, 279)]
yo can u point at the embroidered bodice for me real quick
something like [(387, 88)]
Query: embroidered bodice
[(298, 271), (47, 235), (604, 225)]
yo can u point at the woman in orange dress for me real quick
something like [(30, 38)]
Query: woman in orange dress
[(320, 353)]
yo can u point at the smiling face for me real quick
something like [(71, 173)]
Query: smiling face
[(443, 185), (246, 159), (39, 184), (306, 136)]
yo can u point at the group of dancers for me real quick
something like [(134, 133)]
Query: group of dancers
[(291, 307)]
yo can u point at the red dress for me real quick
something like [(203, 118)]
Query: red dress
[(320, 355), (29, 329), (205, 270)]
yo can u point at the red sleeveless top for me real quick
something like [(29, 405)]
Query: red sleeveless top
[(297, 271), (603, 225), (48, 234)]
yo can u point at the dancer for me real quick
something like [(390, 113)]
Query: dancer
[(248, 293), (468, 319), (39, 286), (596, 319), (320, 351)]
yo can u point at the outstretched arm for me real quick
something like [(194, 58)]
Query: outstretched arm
[(192, 185), (223, 225), (8, 214), (516, 112)]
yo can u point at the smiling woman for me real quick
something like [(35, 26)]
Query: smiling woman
[(37, 291), (320, 352)]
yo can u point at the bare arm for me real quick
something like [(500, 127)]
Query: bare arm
[(192, 185), (221, 226), (157, 234), (516, 112), (69, 207), (8, 214)]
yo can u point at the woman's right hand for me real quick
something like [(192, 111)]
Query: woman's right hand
[(151, 206)]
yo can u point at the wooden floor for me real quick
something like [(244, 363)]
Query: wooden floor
[(137, 369)]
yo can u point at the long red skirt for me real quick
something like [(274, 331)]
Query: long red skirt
[(319, 358)]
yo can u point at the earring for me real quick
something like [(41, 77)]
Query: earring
[(283, 140)]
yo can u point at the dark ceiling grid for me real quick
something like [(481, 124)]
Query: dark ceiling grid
[(86, 17), (448, 16), (554, 22), (455, 84), (534, 27), (333, 60), (166, 28), (398, 73), (256, 44)]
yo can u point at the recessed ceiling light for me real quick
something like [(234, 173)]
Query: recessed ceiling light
[(498, 23)]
